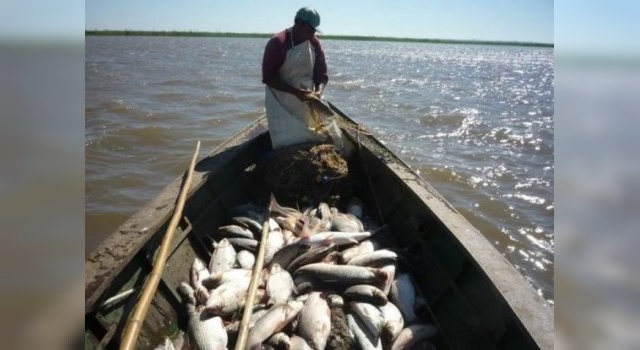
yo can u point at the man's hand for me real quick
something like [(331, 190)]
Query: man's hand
[(304, 94)]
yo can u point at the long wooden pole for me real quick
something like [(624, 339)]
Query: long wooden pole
[(135, 322), (253, 286)]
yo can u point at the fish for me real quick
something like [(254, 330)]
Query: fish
[(199, 272), (350, 252), (378, 258), (205, 332), (339, 238), (360, 334), (313, 255), (412, 335), (228, 297), (366, 293), (244, 243), (272, 322), (280, 285), (218, 278), (323, 211), (390, 270), (280, 211), (344, 275), (279, 340), (371, 316), (275, 242), (403, 294), (393, 321), (298, 343), (315, 224), (288, 253), (314, 321), (297, 225), (223, 257), (244, 221), (245, 259), (345, 223), (231, 231)]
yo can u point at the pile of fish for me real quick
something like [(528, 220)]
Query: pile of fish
[(326, 284)]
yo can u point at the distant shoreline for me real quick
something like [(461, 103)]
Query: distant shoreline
[(324, 37)]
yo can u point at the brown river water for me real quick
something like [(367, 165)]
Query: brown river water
[(476, 122)]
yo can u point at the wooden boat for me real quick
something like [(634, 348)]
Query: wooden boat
[(475, 297)]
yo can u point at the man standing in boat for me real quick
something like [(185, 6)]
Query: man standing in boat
[(295, 73)]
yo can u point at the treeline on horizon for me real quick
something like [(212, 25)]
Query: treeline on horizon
[(324, 37)]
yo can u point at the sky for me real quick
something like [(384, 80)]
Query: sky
[(496, 20)]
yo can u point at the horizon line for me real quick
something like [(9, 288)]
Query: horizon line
[(129, 32)]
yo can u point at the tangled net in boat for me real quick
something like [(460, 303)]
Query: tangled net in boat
[(296, 171)]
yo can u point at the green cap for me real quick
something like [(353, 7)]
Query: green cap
[(310, 16)]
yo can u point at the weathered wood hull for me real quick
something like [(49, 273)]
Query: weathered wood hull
[(475, 297)]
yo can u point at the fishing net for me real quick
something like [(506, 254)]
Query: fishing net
[(306, 173)]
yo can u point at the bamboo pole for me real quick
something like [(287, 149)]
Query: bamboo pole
[(135, 322), (253, 286)]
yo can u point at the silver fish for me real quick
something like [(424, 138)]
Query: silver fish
[(390, 270), (323, 211), (244, 243), (298, 343), (279, 285), (360, 334), (371, 316), (377, 258), (206, 332), (413, 335), (393, 321), (314, 322), (288, 253), (272, 322), (245, 259), (339, 238), (231, 231), (216, 279), (350, 252), (223, 257), (275, 242), (228, 298), (403, 294), (366, 293), (313, 255), (251, 224), (345, 275), (345, 223), (279, 340)]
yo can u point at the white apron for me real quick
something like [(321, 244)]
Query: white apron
[(289, 118)]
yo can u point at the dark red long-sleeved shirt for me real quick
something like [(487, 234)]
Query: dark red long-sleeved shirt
[(276, 51)]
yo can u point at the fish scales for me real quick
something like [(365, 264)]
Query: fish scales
[(341, 273)]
